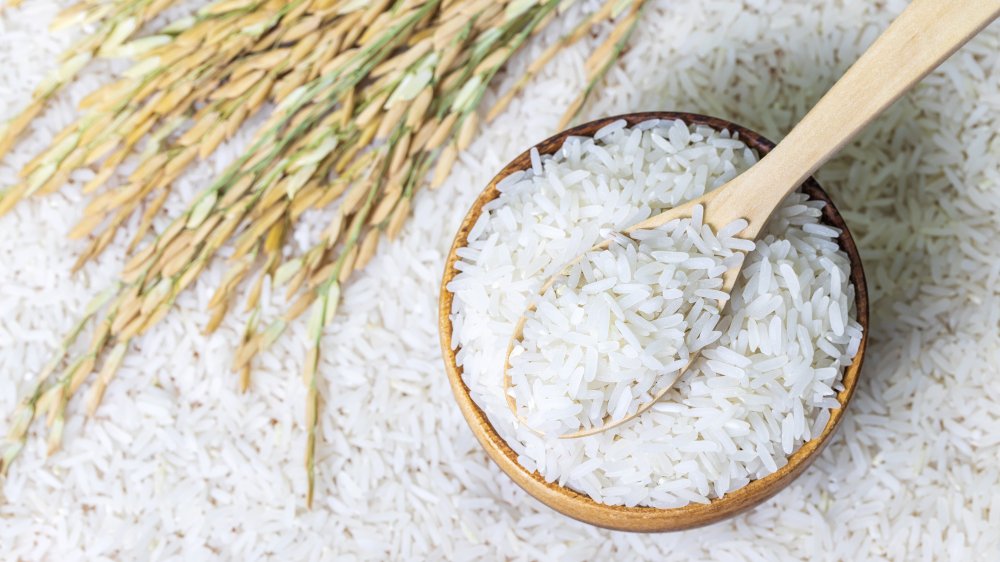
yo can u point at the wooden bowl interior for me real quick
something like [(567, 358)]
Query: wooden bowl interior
[(646, 519)]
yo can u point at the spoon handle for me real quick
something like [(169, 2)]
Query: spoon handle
[(922, 37)]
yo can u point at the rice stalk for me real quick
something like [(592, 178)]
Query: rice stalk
[(119, 21), (11, 4), (369, 103), (601, 60)]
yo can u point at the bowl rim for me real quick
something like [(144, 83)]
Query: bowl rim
[(645, 519)]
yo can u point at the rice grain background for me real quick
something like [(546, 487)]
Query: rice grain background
[(178, 465)]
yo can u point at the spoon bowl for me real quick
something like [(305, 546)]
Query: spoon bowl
[(646, 519)]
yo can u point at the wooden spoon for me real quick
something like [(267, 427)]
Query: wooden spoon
[(923, 36)]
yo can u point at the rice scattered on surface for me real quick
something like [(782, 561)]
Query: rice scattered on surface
[(769, 365), (178, 465)]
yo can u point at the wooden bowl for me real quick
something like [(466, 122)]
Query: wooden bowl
[(646, 519)]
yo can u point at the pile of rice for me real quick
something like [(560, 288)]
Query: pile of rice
[(766, 377), (178, 465), (616, 329)]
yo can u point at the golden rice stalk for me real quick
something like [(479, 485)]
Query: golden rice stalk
[(606, 11), (600, 60), (121, 20), (10, 4), (369, 99)]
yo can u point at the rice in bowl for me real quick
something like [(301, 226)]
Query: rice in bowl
[(759, 391)]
